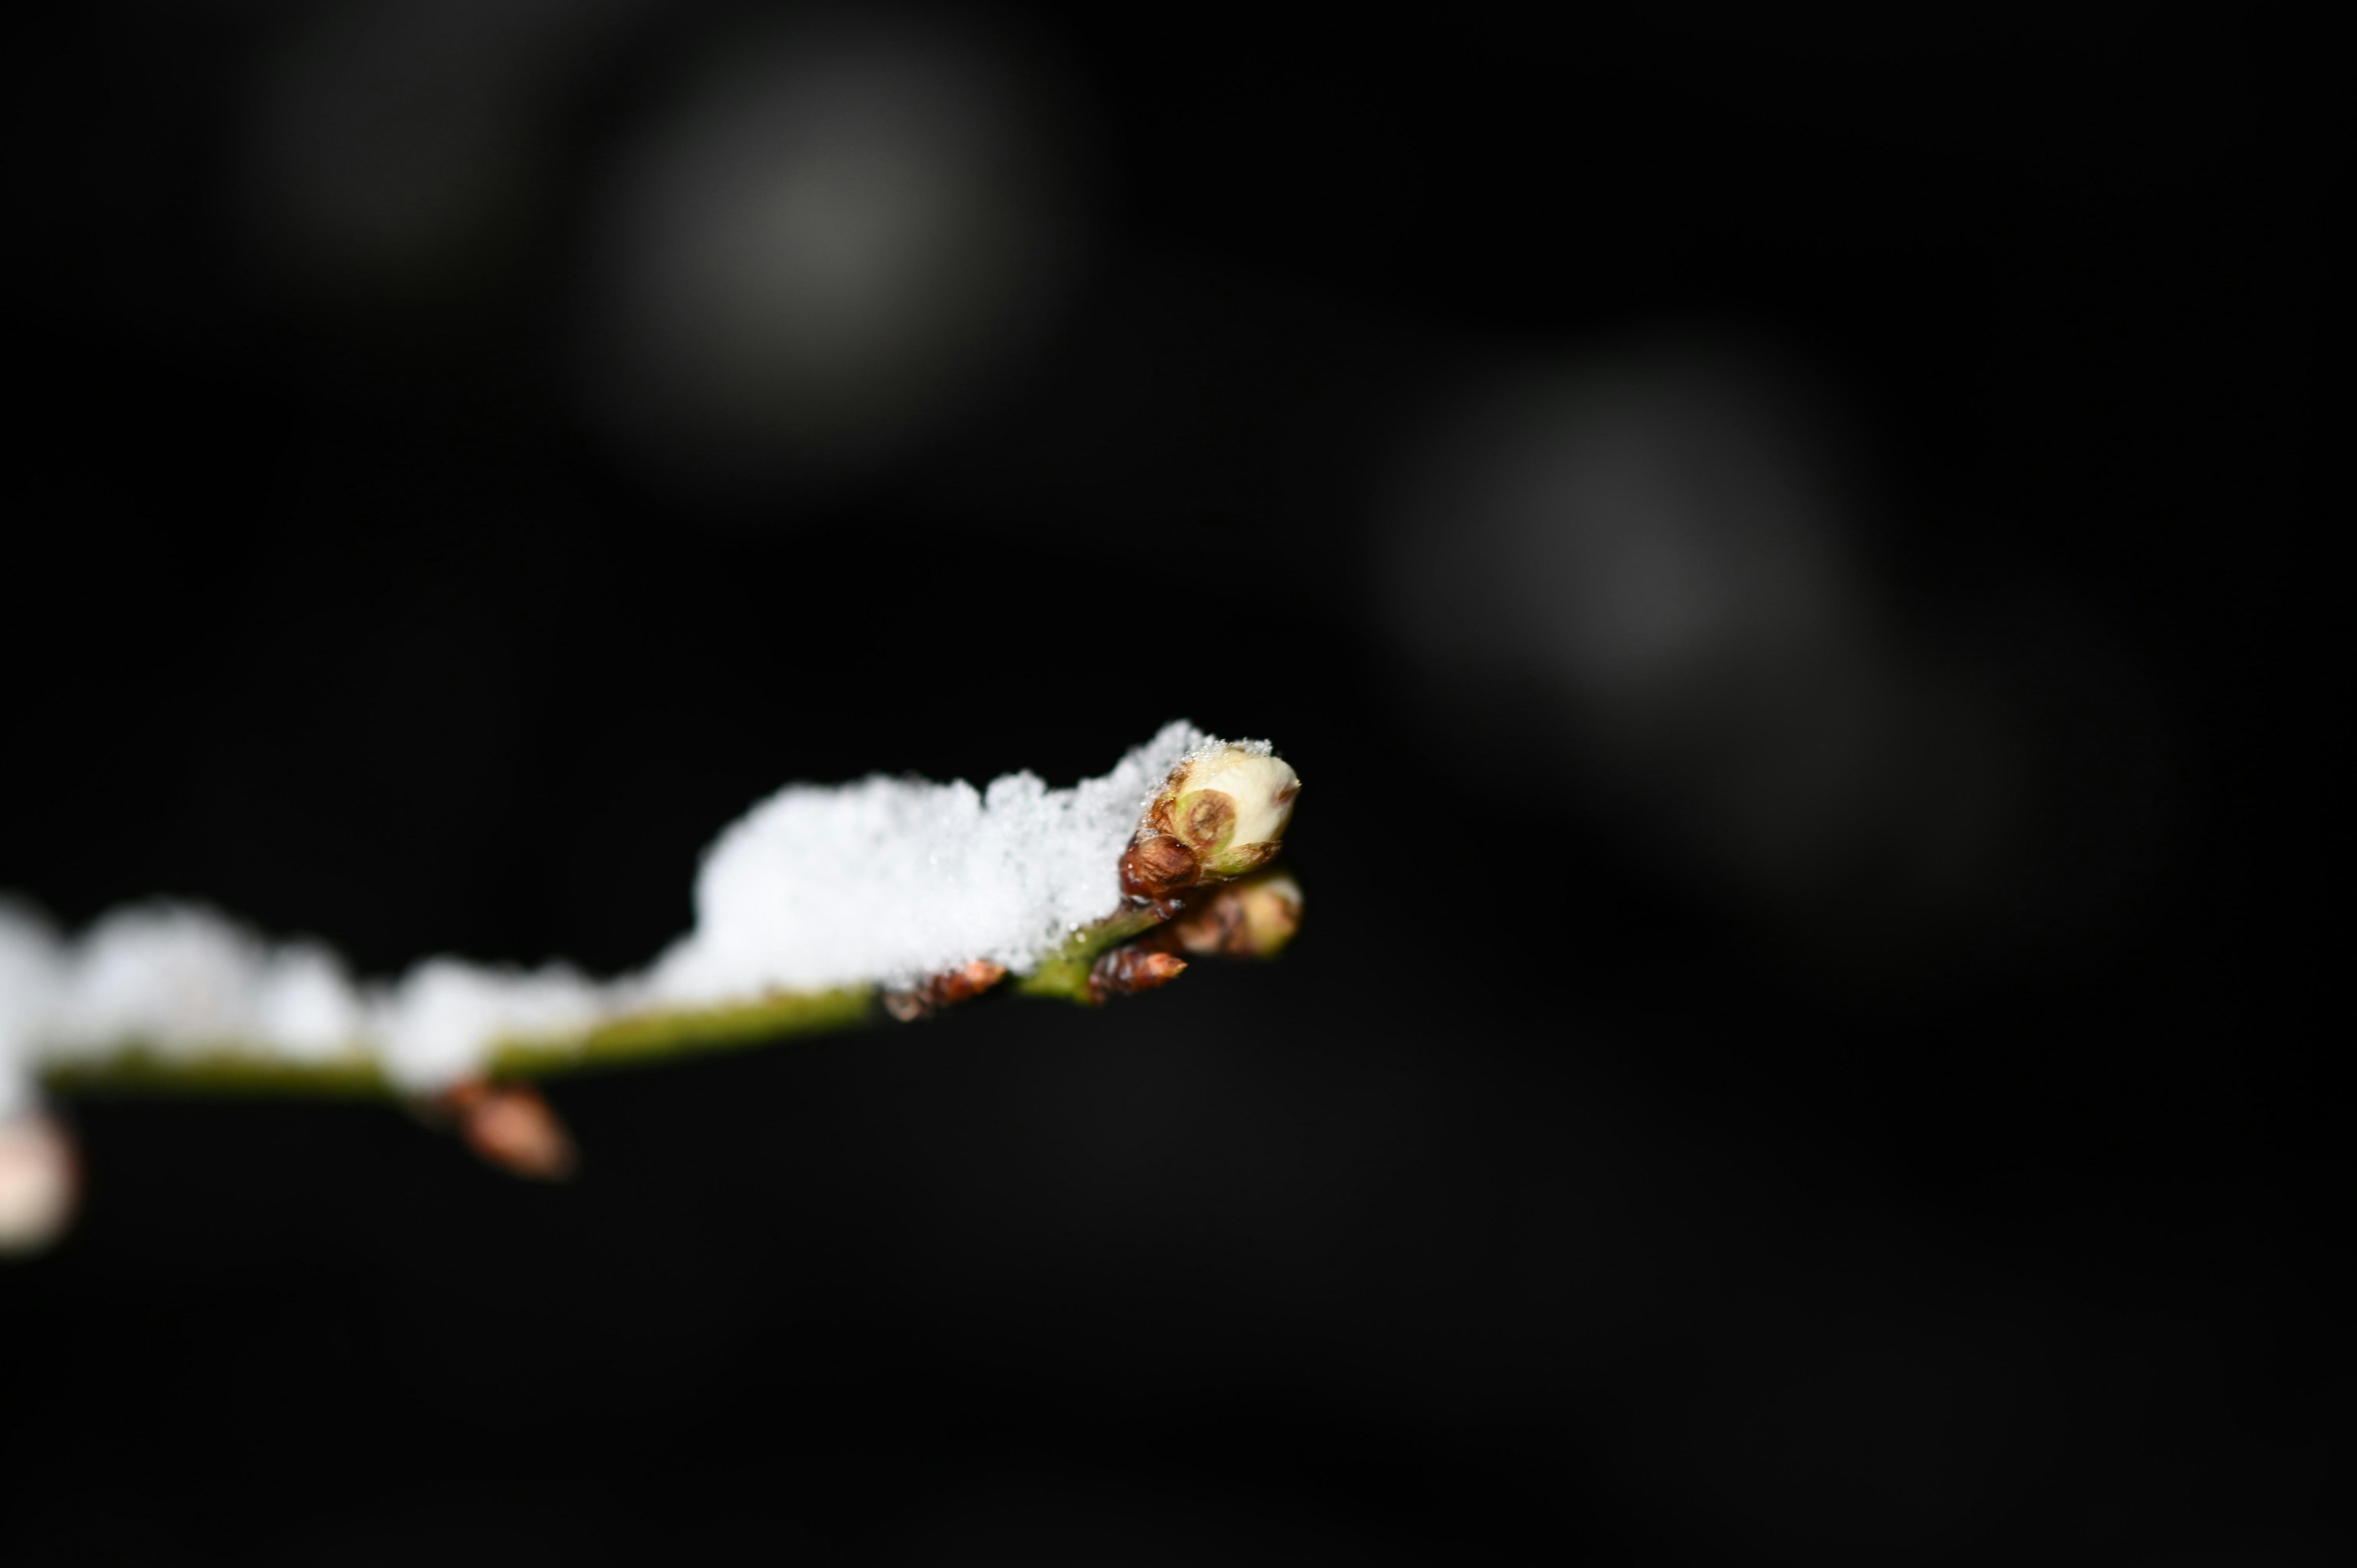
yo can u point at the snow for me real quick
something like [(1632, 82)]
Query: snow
[(883, 882), (178, 979), (434, 1025), (894, 879)]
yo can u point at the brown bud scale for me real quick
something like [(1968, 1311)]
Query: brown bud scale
[(1157, 866), (1127, 971), (1209, 814), (946, 989)]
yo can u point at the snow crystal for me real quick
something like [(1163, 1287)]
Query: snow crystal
[(886, 880)]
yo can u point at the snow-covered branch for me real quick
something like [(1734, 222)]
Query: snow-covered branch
[(813, 909)]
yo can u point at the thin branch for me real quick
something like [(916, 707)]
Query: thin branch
[(634, 1039), (939, 875)]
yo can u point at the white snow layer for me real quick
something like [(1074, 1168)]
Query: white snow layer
[(886, 880)]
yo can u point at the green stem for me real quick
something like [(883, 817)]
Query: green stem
[(630, 1041), (1064, 973), (641, 1037), (627, 1041)]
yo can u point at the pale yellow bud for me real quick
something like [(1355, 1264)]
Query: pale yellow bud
[(38, 1183), (1230, 808), (1272, 913)]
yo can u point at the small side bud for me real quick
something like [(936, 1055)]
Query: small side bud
[(1127, 971), (39, 1183), (1253, 917), (929, 996), (511, 1126)]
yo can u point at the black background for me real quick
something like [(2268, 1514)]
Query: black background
[(1537, 1208)]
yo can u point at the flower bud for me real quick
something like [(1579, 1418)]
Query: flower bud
[(1229, 809), (38, 1182)]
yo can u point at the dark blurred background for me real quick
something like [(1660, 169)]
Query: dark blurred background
[(1776, 548)]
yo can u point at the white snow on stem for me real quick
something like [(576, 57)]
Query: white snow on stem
[(896, 879), (882, 882)]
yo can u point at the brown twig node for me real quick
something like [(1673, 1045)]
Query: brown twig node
[(929, 996)]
